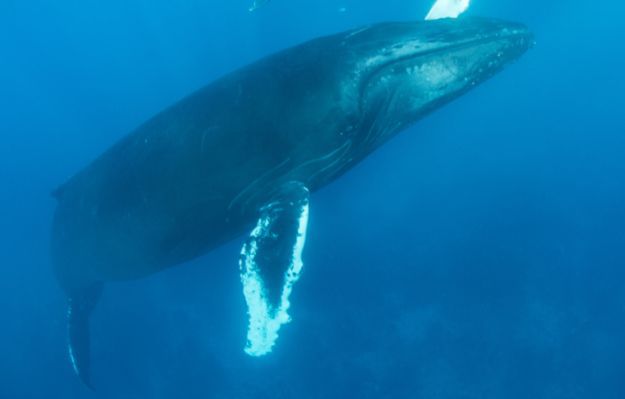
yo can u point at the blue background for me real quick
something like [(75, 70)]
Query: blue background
[(479, 254)]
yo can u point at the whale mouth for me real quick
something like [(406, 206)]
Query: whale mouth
[(517, 42), (438, 69)]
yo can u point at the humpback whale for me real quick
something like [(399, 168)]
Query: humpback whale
[(242, 155)]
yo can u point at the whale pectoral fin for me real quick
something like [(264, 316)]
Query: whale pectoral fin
[(271, 262), (79, 311)]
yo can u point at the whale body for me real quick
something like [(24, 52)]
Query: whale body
[(242, 155)]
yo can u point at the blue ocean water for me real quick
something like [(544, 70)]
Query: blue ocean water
[(477, 255)]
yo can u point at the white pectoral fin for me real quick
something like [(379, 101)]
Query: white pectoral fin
[(447, 9), (271, 263)]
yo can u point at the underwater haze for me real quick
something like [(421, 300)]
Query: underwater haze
[(478, 254)]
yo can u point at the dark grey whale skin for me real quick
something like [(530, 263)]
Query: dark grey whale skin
[(196, 174)]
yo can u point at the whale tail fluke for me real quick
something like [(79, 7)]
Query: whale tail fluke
[(79, 311)]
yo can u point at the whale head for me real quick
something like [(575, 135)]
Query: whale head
[(401, 71)]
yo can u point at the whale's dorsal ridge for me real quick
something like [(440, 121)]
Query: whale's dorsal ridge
[(57, 192)]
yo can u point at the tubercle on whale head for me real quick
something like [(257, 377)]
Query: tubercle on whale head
[(403, 70)]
